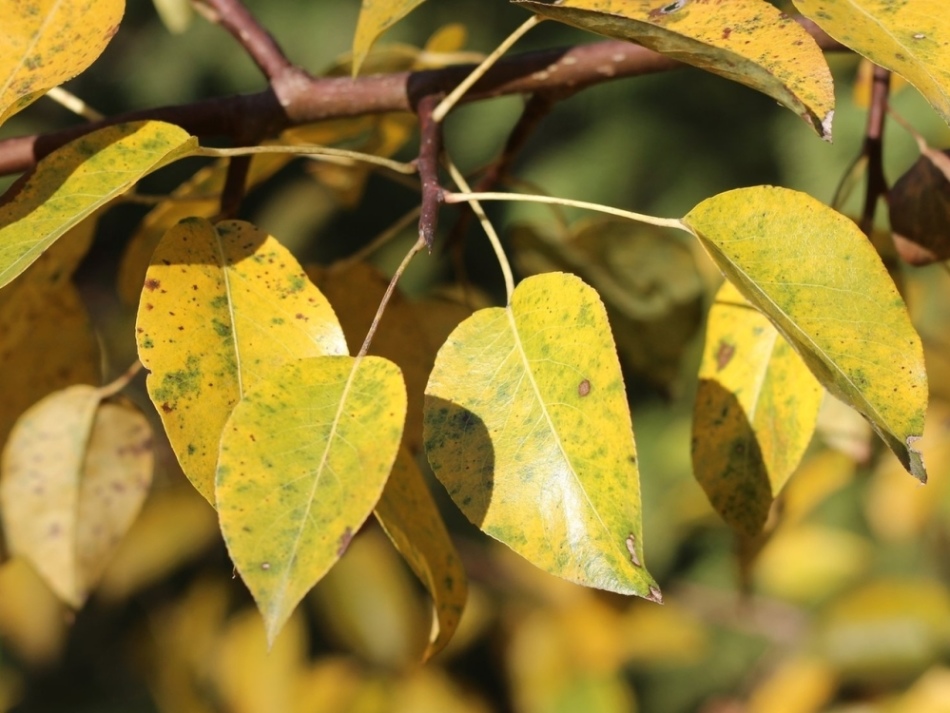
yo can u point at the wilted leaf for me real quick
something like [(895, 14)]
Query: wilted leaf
[(410, 517), (919, 204), (42, 44), (304, 457), (377, 16), (648, 281), (909, 38), (755, 412), (528, 428), (821, 283), (223, 305), (73, 181), (747, 41), (75, 472)]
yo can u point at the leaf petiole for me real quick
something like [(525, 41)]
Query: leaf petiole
[(316, 152)]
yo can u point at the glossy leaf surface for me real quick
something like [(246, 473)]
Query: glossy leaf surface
[(821, 283), (44, 43), (747, 41), (304, 457), (528, 428), (756, 408), (73, 181), (223, 305)]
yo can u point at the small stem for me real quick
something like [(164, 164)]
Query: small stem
[(639, 217), (416, 247), (314, 152), (234, 17), (430, 146), (373, 245), (874, 147), (445, 106), (486, 225), (235, 184), (122, 381), (74, 104)]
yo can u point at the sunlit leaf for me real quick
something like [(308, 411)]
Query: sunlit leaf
[(44, 43), (410, 517), (75, 472), (73, 181), (756, 407), (528, 428), (377, 16), (821, 283), (304, 457), (909, 38), (223, 305), (747, 41)]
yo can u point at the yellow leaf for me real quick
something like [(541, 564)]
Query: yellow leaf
[(813, 273), (755, 412), (747, 41), (222, 307), (44, 43), (32, 619), (820, 475), (929, 694), (909, 38), (377, 16), (198, 197), (800, 685), (410, 517), (528, 428), (332, 683), (73, 181), (75, 472), (304, 457)]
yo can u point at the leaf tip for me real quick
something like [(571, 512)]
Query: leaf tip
[(826, 126), (655, 595), (915, 460)]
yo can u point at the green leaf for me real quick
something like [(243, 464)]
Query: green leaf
[(909, 38), (747, 41), (75, 473), (73, 181), (528, 428), (303, 461), (377, 16), (223, 305), (821, 283), (411, 518), (756, 409), (44, 43)]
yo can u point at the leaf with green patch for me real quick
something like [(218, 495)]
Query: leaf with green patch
[(377, 16), (75, 473), (822, 284), (410, 516), (747, 41), (70, 183), (909, 38), (45, 43), (303, 461), (528, 428), (223, 305), (756, 408)]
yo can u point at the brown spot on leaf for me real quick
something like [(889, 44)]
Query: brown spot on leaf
[(344, 542), (152, 284), (583, 388), (631, 543), (655, 595), (726, 31), (167, 408), (724, 354)]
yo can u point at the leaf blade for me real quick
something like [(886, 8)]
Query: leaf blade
[(828, 275), (498, 367), (747, 41), (377, 16), (267, 481)]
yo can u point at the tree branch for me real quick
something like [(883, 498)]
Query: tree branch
[(259, 44), (874, 147), (305, 99), (430, 146)]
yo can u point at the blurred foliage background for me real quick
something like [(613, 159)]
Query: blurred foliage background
[(846, 605)]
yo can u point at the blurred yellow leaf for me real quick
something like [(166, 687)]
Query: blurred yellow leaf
[(799, 685), (44, 43), (526, 404), (176, 15), (747, 41), (815, 275), (861, 93), (430, 690), (222, 306), (75, 473), (908, 38), (411, 518), (659, 636), (32, 618), (330, 684), (929, 694), (807, 562), (175, 526), (70, 183), (845, 430), (756, 407), (304, 458), (819, 476), (377, 16)]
